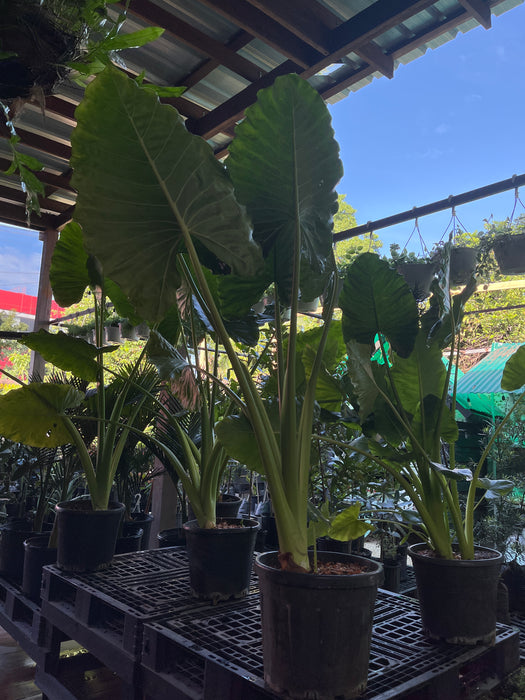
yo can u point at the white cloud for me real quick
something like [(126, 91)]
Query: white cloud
[(19, 272), (472, 98)]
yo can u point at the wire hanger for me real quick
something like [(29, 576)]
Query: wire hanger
[(422, 243)]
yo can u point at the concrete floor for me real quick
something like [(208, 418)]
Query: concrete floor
[(17, 671)]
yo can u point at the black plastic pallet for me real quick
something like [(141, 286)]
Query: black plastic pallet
[(81, 677), (106, 610), (518, 621), (212, 654), (23, 620)]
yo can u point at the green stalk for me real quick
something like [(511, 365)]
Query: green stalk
[(86, 462), (290, 536), (470, 507)]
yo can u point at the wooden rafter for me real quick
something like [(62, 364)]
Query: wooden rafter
[(480, 10), (189, 35), (265, 28)]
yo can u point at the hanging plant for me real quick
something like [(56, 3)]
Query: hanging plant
[(507, 241), (43, 42), (418, 272)]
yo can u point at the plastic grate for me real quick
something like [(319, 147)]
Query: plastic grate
[(234, 634), (128, 567), (155, 582), (518, 621), (400, 655)]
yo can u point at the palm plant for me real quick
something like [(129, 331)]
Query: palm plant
[(51, 414)]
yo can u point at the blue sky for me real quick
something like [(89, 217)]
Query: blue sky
[(448, 122)]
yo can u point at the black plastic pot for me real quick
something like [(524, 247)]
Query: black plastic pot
[(513, 576), (317, 629), (131, 540), (143, 520), (418, 276), (13, 535), (458, 597), (221, 559), (510, 254), (228, 506), (174, 537), (462, 264), (269, 526), (37, 553), (327, 544), (86, 537), (392, 569)]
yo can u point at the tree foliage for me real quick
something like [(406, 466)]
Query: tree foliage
[(482, 327), (346, 251)]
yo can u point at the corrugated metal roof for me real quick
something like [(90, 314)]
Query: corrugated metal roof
[(485, 376), (225, 51)]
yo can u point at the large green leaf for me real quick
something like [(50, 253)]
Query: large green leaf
[(375, 299), (143, 180), (362, 377), (284, 163), (68, 273), (71, 272), (66, 353), (167, 359), (420, 374), (425, 420), (514, 371), (328, 390), (495, 488), (347, 526), (33, 414), (236, 435)]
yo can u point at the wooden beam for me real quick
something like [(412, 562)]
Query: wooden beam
[(372, 21), (64, 218), (44, 299), (374, 56), (39, 143), (189, 35), (265, 28), (57, 181), (17, 215), (500, 286), (233, 109), (479, 10), (59, 105), (238, 42), (301, 17), (16, 196)]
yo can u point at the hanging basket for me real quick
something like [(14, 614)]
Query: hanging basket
[(39, 46), (418, 276), (510, 254), (462, 264)]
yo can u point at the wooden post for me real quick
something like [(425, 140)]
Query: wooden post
[(44, 298)]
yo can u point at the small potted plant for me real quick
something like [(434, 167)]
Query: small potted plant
[(411, 432)]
